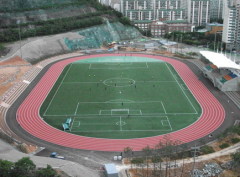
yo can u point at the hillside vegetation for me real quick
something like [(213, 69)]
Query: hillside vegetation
[(46, 17)]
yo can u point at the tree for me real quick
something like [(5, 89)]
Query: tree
[(46, 172), (1, 47), (155, 160), (236, 159), (5, 168), (137, 162), (125, 21), (24, 167), (128, 151), (147, 151)]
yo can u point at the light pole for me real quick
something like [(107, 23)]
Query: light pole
[(19, 34), (214, 42)]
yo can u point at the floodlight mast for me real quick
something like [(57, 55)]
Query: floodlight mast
[(19, 34)]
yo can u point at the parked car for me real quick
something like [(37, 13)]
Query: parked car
[(56, 155)]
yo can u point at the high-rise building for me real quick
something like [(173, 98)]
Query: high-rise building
[(142, 12), (137, 10), (198, 12), (148, 10), (216, 9), (105, 2), (168, 10), (231, 25)]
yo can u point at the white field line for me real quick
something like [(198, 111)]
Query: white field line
[(164, 108), (120, 123), (57, 90), (90, 66), (147, 65), (119, 102), (163, 124), (109, 131), (78, 124), (96, 124), (143, 115), (76, 109), (117, 82), (124, 67), (169, 123), (181, 89), (72, 125), (184, 87)]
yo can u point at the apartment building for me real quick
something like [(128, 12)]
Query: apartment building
[(216, 9), (198, 12), (231, 25)]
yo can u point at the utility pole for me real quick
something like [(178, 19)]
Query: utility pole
[(194, 158), (19, 34)]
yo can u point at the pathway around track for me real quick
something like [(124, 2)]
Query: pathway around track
[(28, 117)]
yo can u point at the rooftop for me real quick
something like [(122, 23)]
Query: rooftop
[(176, 21), (220, 60), (214, 24), (110, 168)]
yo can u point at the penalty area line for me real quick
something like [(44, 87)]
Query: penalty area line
[(76, 109)]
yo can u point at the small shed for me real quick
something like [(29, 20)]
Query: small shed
[(110, 170)]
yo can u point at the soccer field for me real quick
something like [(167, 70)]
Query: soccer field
[(120, 97)]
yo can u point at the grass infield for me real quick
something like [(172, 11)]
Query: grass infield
[(110, 97)]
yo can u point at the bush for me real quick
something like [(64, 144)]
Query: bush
[(235, 140), (192, 53), (6, 138), (22, 148), (125, 21), (236, 159), (1, 47), (207, 149), (224, 145), (236, 129)]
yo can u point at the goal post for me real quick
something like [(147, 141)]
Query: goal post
[(119, 112)]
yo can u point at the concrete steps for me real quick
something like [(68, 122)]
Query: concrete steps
[(235, 97)]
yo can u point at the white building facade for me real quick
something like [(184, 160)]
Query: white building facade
[(198, 12), (216, 9), (231, 25)]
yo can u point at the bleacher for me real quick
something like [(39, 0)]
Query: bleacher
[(222, 71), (211, 67), (227, 77)]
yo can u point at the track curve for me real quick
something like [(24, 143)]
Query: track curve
[(213, 113)]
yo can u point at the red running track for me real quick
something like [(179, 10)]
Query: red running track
[(212, 117)]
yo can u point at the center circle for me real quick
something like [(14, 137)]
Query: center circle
[(119, 82)]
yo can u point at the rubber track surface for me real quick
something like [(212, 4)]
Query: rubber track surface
[(212, 117)]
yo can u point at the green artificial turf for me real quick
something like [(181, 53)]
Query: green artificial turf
[(110, 97)]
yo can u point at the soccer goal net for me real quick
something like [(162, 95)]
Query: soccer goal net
[(119, 112)]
